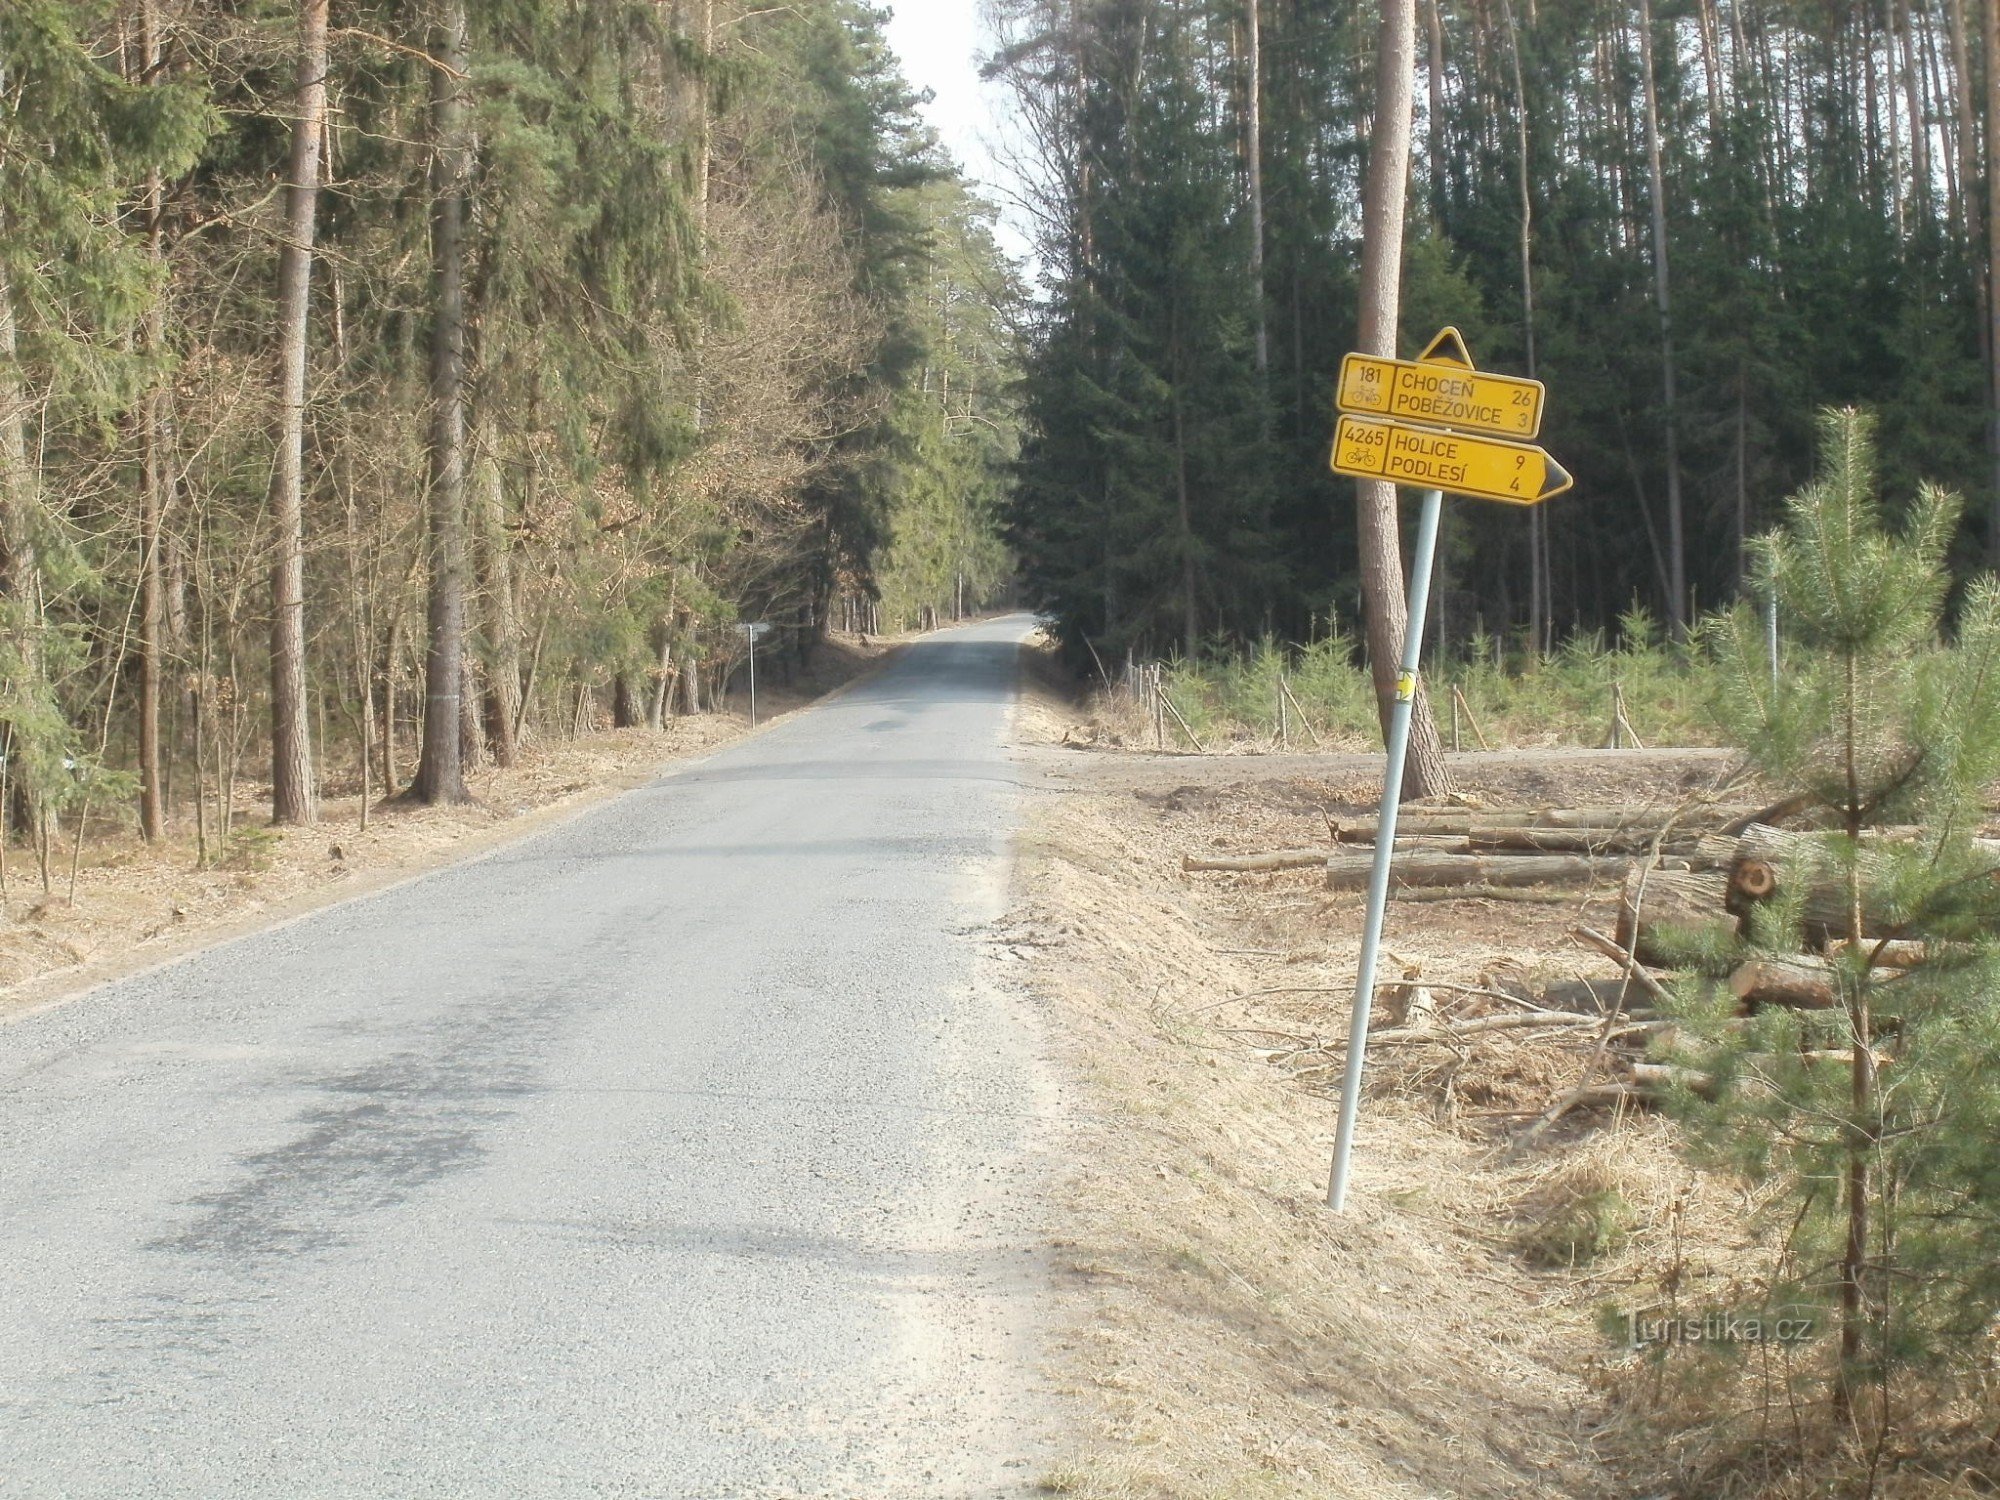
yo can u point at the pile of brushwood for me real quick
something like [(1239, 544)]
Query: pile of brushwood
[(1695, 883)]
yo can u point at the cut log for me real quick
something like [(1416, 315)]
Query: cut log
[(1762, 852), (1574, 840), (1662, 1076), (1802, 983), (1629, 820), (1349, 872), (1766, 858), (1890, 953), (1663, 913), (1307, 859)]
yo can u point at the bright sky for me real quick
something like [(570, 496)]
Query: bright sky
[(939, 42)]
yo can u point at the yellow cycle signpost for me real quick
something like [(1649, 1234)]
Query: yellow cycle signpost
[(1482, 467), (1441, 387), (1439, 423)]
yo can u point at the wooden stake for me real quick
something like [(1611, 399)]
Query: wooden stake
[(1458, 697), (1297, 708)]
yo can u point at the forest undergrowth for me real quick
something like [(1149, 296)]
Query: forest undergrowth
[(1485, 696)]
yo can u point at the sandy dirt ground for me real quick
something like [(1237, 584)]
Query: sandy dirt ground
[(1228, 1334), (136, 906)]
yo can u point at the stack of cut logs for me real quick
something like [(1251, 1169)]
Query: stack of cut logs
[(1687, 878), (1438, 848)]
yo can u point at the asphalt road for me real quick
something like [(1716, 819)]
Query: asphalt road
[(679, 1151)]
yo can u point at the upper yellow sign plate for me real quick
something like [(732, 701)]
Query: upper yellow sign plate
[(1443, 389), (1483, 467)]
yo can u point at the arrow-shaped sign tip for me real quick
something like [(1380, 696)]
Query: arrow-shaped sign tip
[(1448, 348), (1557, 479)]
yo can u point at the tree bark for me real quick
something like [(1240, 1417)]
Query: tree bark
[(440, 767), (1385, 610), (624, 700), (291, 743), (663, 683), (20, 568), (1961, 71), (494, 562)]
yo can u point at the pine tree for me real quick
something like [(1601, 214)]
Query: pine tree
[(1864, 1113)]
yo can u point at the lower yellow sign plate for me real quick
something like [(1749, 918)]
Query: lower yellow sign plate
[(1484, 468)]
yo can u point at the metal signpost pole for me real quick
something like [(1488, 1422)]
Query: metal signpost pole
[(1385, 841), (750, 635)]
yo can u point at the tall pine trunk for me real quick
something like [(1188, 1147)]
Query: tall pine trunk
[(441, 765), (1920, 148), (1254, 151), (1384, 607), (156, 485), (1539, 603), (291, 744), (1992, 29), (1677, 605)]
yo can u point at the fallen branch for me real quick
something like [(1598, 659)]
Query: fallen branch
[(1624, 957), (1279, 859), (1458, 697), (1186, 729), (1285, 688), (1448, 1032), (1487, 893)]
